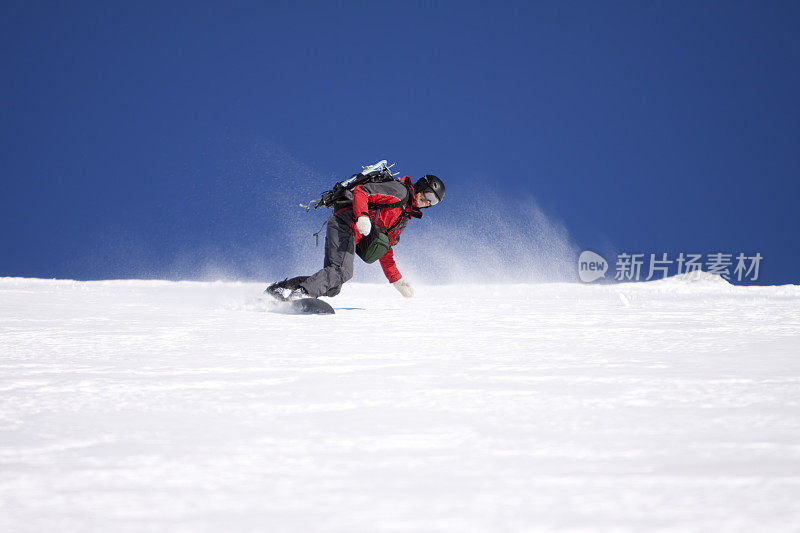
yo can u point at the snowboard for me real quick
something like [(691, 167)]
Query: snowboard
[(305, 306)]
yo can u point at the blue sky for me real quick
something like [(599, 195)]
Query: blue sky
[(138, 137)]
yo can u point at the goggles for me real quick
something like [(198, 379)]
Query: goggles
[(431, 196)]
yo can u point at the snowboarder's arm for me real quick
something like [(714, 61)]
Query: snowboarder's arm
[(360, 203), (388, 266)]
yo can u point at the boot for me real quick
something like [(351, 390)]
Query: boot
[(283, 290), (294, 283), (276, 290)]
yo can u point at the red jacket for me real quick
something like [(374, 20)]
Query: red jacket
[(367, 199)]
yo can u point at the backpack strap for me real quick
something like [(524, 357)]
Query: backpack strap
[(405, 204)]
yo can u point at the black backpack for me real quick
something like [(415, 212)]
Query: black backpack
[(377, 173)]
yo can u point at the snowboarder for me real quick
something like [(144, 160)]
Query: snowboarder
[(367, 221)]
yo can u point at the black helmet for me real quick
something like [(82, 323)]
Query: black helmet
[(430, 184)]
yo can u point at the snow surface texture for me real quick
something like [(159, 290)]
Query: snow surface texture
[(160, 406)]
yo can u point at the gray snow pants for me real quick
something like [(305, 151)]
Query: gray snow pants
[(340, 249)]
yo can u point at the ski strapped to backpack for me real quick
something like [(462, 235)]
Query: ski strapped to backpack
[(379, 172)]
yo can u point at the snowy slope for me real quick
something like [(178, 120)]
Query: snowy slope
[(159, 406)]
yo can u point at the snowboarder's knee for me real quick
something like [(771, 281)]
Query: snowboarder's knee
[(346, 273)]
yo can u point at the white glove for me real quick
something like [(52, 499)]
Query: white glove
[(404, 287), (364, 225)]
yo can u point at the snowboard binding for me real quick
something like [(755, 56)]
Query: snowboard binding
[(288, 289)]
